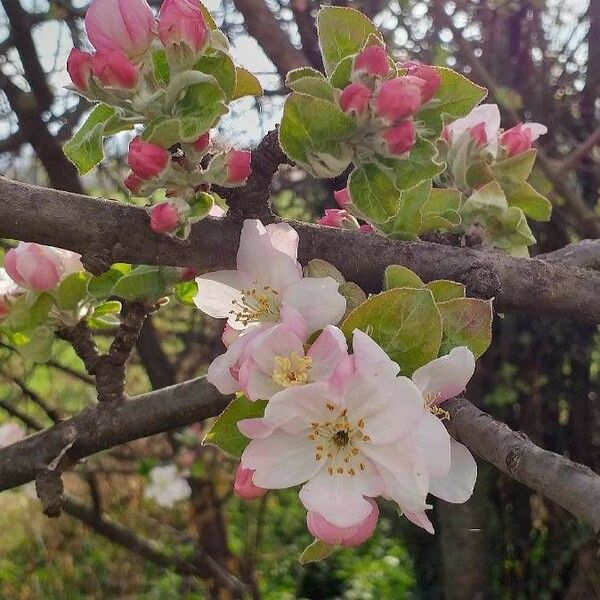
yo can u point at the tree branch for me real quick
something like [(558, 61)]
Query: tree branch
[(121, 233)]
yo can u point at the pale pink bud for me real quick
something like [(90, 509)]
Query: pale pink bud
[(367, 228), (201, 144), (373, 60), (334, 217), (126, 26), (399, 98), (342, 197), (181, 22), (243, 485), (133, 183), (400, 138), (355, 97), (79, 67), (147, 160), (343, 536), (114, 69), (238, 166), (521, 137), (33, 266), (430, 75), (479, 134), (164, 218)]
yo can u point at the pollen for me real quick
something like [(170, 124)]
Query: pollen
[(256, 305), (292, 370)]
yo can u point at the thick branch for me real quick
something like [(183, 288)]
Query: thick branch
[(120, 233)]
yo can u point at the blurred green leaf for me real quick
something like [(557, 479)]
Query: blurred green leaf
[(466, 322)]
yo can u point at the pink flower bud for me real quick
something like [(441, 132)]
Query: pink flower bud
[(400, 138), (342, 197), (35, 267), (147, 160), (238, 166), (399, 98), (520, 138), (201, 144), (164, 218), (114, 69), (343, 536), (355, 97), (430, 75), (181, 22), (79, 67), (126, 26), (334, 217), (373, 60), (367, 228), (133, 183), (479, 134), (243, 485)]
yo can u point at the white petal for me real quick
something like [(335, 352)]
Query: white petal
[(304, 402), (457, 485), (318, 301), (389, 406), (484, 113), (370, 357), (420, 519), (217, 292), (341, 498), (220, 372), (281, 460), (326, 352), (433, 441), (447, 376), (278, 341), (284, 238), (536, 130), (258, 385)]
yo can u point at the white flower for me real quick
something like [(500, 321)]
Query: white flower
[(483, 122), (268, 277), (166, 486)]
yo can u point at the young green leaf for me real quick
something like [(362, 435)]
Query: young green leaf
[(315, 552), (444, 290), (397, 276), (420, 165), (373, 193), (246, 84), (72, 290)]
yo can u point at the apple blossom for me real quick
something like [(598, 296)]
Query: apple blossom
[(9, 291), (114, 69), (166, 486), (10, 433), (342, 197), (400, 138), (238, 166), (244, 487), (430, 75), (164, 218), (351, 536), (373, 60), (268, 277), (38, 267), (519, 138), (399, 98), (126, 26), (79, 67), (147, 160), (355, 97), (482, 124), (335, 217), (180, 22)]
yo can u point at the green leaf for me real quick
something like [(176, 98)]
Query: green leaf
[(405, 322), (29, 311), (353, 294), (406, 224), (516, 169), (373, 193), (199, 109), (141, 283), (200, 205), (85, 149), (72, 290), (444, 290), (531, 202), (342, 32), (221, 67), (455, 98), (246, 84), (342, 74), (301, 73), (419, 166), (112, 307), (186, 291), (225, 433), (101, 286), (321, 268), (314, 86), (164, 131), (315, 552), (210, 22), (35, 345), (466, 322), (397, 276), (311, 133)]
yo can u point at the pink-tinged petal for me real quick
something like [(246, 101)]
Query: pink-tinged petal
[(458, 484), (217, 292), (342, 375), (404, 474), (433, 441), (255, 429), (489, 114), (276, 342), (294, 321), (261, 261), (223, 371), (445, 377), (358, 534), (10, 266), (536, 130), (284, 238), (421, 520), (375, 399), (39, 266), (326, 352), (229, 335), (370, 358), (303, 403), (71, 262), (340, 499), (318, 301), (281, 460), (256, 384), (244, 487)]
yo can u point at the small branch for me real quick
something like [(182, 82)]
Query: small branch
[(584, 254), (52, 413), (24, 418), (579, 153)]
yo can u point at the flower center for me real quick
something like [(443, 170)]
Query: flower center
[(292, 370), (256, 304), (429, 401), (338, 441)]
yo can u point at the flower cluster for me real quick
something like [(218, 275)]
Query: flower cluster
[(174, 76), (346, 426)]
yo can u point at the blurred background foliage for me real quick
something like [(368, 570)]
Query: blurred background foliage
[(540, 58)]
